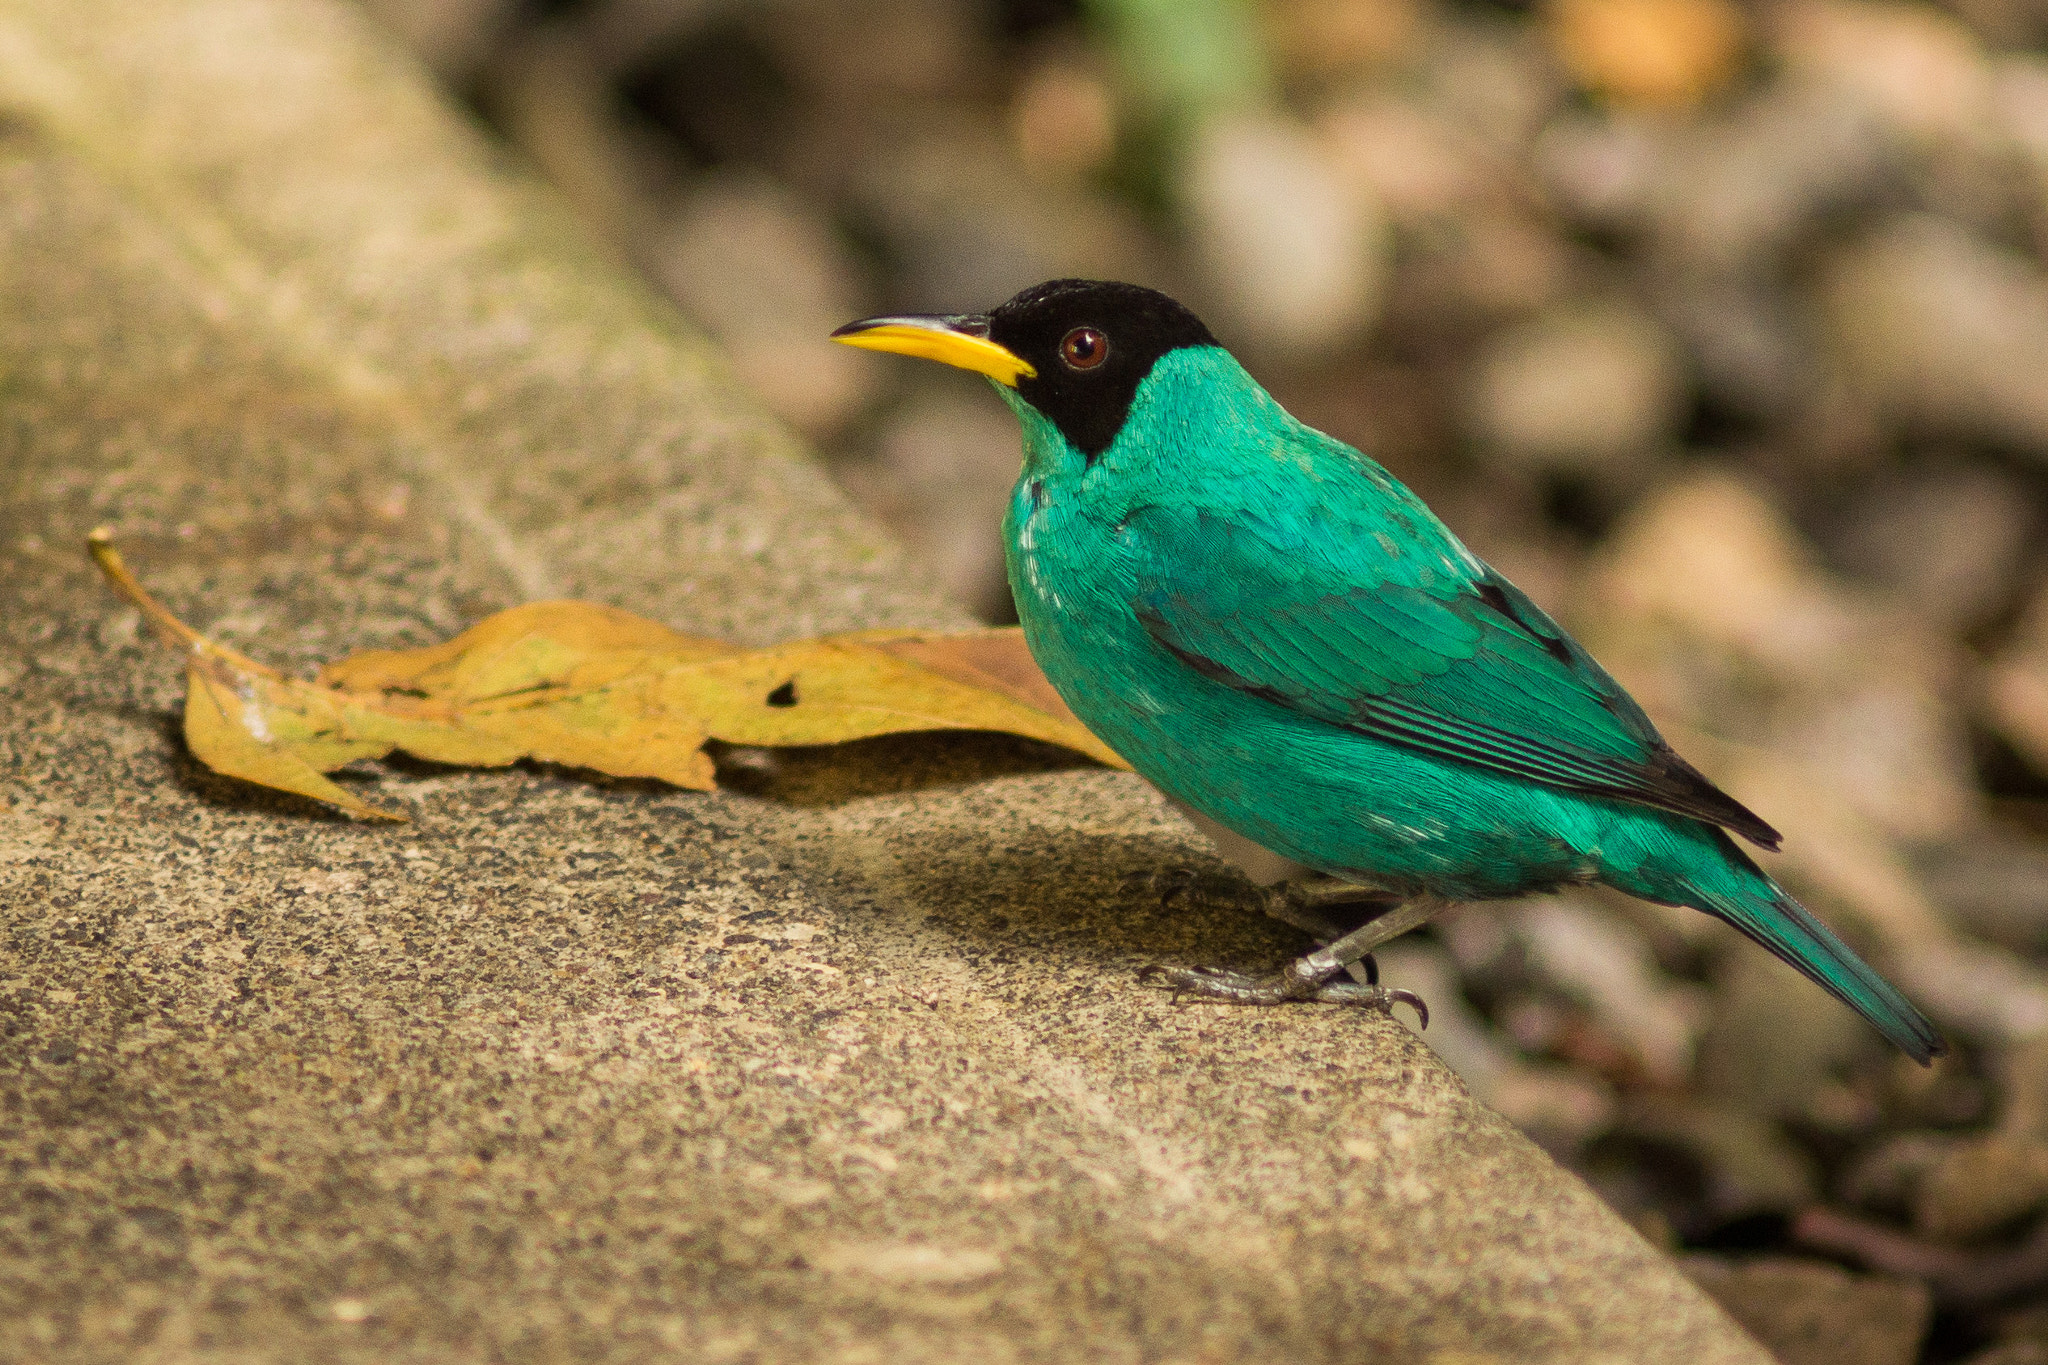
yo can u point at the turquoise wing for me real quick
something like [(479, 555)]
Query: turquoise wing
[(1378, 621)]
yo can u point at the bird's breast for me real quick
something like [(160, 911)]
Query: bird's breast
[(1028, 546), (1074, 593)]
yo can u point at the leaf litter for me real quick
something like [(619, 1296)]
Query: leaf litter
[(590, 686)]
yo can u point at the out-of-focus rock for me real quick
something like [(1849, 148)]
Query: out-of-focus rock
[(1538, 1021), (1750, 350), (1976, 989), (1477, 937), (2019, 103), (2018, 1351), (1748, 1166), (1814, 1313), (1602, 962), (623, 34), (1293, 252), (1710, 609), (967, 226), (1417, 162), (1560, 1106), (1496, 77), (1775, 1038), (1601, 168), (1913, 64), (851, 51), (2016, 685), (1885, 1178), (1948, 542), (1980, 1186), (454, 37), (1471, 273), (2005, 24), (1992, 885), (1647, 52), (764, 273), (2024, 1071), (1946, 1097), (1892, 744), (1736, 190), (942, 471), (1063, 119), (1943, 331), (1590, 388), (1326, 38)]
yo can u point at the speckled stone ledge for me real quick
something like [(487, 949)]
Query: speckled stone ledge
[(846, 1063)]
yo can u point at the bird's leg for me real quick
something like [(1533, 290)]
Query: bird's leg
[(1322, 907), (1315, 907), (1309, 978)]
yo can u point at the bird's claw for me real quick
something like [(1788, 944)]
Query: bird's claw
[(1373, 997), (1285, 987)]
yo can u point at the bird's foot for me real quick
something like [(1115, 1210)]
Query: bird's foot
[(1299, 982), (1312, 978)]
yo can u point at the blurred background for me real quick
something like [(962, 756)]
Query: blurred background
[(1721, 327)]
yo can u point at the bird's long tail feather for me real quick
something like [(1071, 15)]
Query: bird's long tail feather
[(1741, 893), (1790, 931)]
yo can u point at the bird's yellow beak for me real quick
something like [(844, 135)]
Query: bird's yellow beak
[(959, 340)]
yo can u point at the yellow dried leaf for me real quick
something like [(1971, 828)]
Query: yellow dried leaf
[(590, 686), (564, 682), (231, 724), (242, 719), (539, 643), (843, 687)]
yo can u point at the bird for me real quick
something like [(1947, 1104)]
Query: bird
[(1276, 632)]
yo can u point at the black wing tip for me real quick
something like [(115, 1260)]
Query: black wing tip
[(1930, 1048), (1752, 827), (1704, 801)]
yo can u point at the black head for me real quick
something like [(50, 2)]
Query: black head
[(1092, 342)]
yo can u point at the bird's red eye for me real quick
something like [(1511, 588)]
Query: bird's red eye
[(1083, 349)]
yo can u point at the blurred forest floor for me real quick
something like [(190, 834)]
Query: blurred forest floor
[(1722, 328)]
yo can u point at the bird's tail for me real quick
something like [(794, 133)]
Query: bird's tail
[(1738, 891)]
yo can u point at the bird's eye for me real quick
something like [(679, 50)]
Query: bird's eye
[(1083, 349)]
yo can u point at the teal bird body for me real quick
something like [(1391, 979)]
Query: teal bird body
[(1275, 631)]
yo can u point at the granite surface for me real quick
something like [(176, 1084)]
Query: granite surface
[(847, 1062)]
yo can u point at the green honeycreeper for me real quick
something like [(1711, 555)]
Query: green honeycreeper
[(1278, 633)]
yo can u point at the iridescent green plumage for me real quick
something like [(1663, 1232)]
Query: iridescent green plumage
[(1274, 630)]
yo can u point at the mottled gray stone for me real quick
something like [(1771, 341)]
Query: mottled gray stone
[(846, 1063)]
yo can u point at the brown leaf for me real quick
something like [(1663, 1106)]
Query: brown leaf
[(997, 660), (591, 686)]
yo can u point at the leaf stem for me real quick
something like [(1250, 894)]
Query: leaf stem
[(99, 543)]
